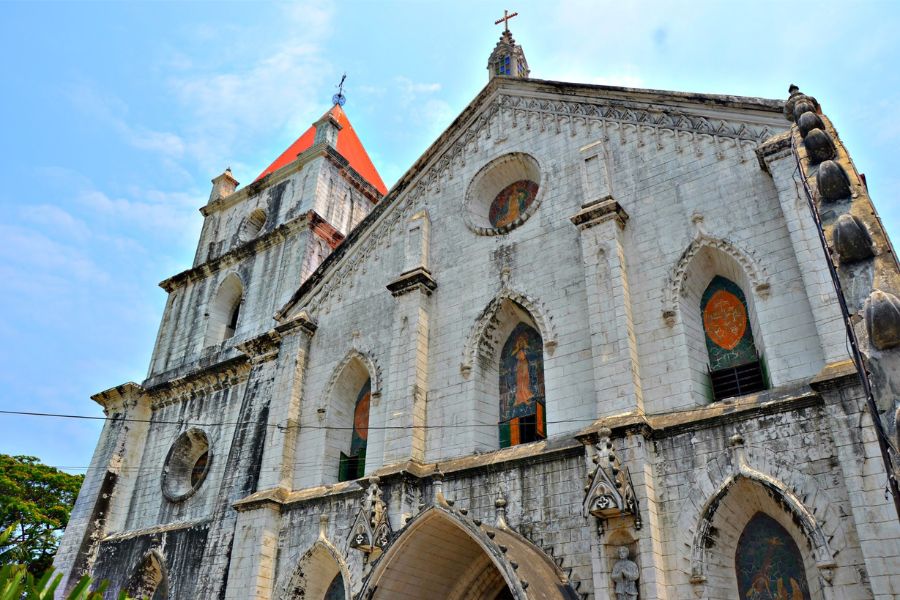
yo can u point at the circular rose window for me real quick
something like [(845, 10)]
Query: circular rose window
[(187, 465), (503, 194)]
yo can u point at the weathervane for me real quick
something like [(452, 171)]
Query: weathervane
[(339, 98), (505, 19)]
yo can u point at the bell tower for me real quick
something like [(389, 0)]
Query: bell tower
[(508, 58)]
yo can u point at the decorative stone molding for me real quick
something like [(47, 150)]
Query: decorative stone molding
[(609, 491), (370, 365), (216, 377), (600, 211), (301, 321), (480, 343), (119, 399), (675, 288), (262, 348), (314, 571), (371, 530), (788, 487), (632, 113), (181, 476), (490, 180), (308, 220), (418, 279)]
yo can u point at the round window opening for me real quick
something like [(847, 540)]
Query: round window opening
[(186, 465), (503, 194)]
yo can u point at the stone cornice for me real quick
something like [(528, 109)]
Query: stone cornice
[(301, 321), (417, 279), (279, 234), (600, 211), (777, 146), (541, 451), (712, 415), (834, 376), (125, 535), (119, 398), (261, 348), (201, 382)]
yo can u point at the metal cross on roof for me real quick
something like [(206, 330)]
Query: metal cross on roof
[(339, 98), (505, 19)]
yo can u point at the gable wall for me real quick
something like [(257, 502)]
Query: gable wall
[(661, 189)]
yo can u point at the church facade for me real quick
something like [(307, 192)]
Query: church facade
[(587, 347)]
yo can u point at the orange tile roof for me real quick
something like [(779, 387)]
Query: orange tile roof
[(348, 146)]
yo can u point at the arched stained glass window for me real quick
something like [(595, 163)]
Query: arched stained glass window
[(734, 364), (522, 413), (768, 563), (353, 465)]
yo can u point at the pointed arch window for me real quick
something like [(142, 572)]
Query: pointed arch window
[(735, 367), (768, 563), (353, 465), (522, 409)]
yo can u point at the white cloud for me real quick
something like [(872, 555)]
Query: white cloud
[(114, 112), (57, 220), (34, 262)]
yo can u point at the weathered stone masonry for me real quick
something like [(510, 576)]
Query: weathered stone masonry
[(643, 197)]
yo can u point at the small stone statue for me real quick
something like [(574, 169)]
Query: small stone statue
[(625, 575)]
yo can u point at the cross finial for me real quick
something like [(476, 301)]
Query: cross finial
[(505, 19), (339, 98)]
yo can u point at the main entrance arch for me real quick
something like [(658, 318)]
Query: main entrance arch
[(443, 554)]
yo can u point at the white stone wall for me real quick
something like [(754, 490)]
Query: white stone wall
[(617, 304), (663, 182)]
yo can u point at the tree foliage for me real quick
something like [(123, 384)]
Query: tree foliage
[(35, 501), (16, 583)]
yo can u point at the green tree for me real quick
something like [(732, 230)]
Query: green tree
[(36, 499)]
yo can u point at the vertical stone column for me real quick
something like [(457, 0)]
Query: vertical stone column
[(404, 405), (251, 571), (294, 337), (650, 543), (780, 162), (616, 366), (105, 495)]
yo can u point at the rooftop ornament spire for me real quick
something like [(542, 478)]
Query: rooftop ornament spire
[(340, 99), (507, 59)]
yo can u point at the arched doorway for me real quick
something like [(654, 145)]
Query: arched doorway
[(442, 554), (319, 575)]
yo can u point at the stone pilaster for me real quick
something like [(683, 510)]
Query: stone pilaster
[(294, 337), (105, 495), (777, 157), (254, 553), (404, 406), (616, 366)]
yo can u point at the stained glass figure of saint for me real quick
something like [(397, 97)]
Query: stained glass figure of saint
[(768, 563), (512, 202), (352, 466), (522, 415)]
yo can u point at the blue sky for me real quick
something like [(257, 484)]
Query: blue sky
[(117, 115)]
